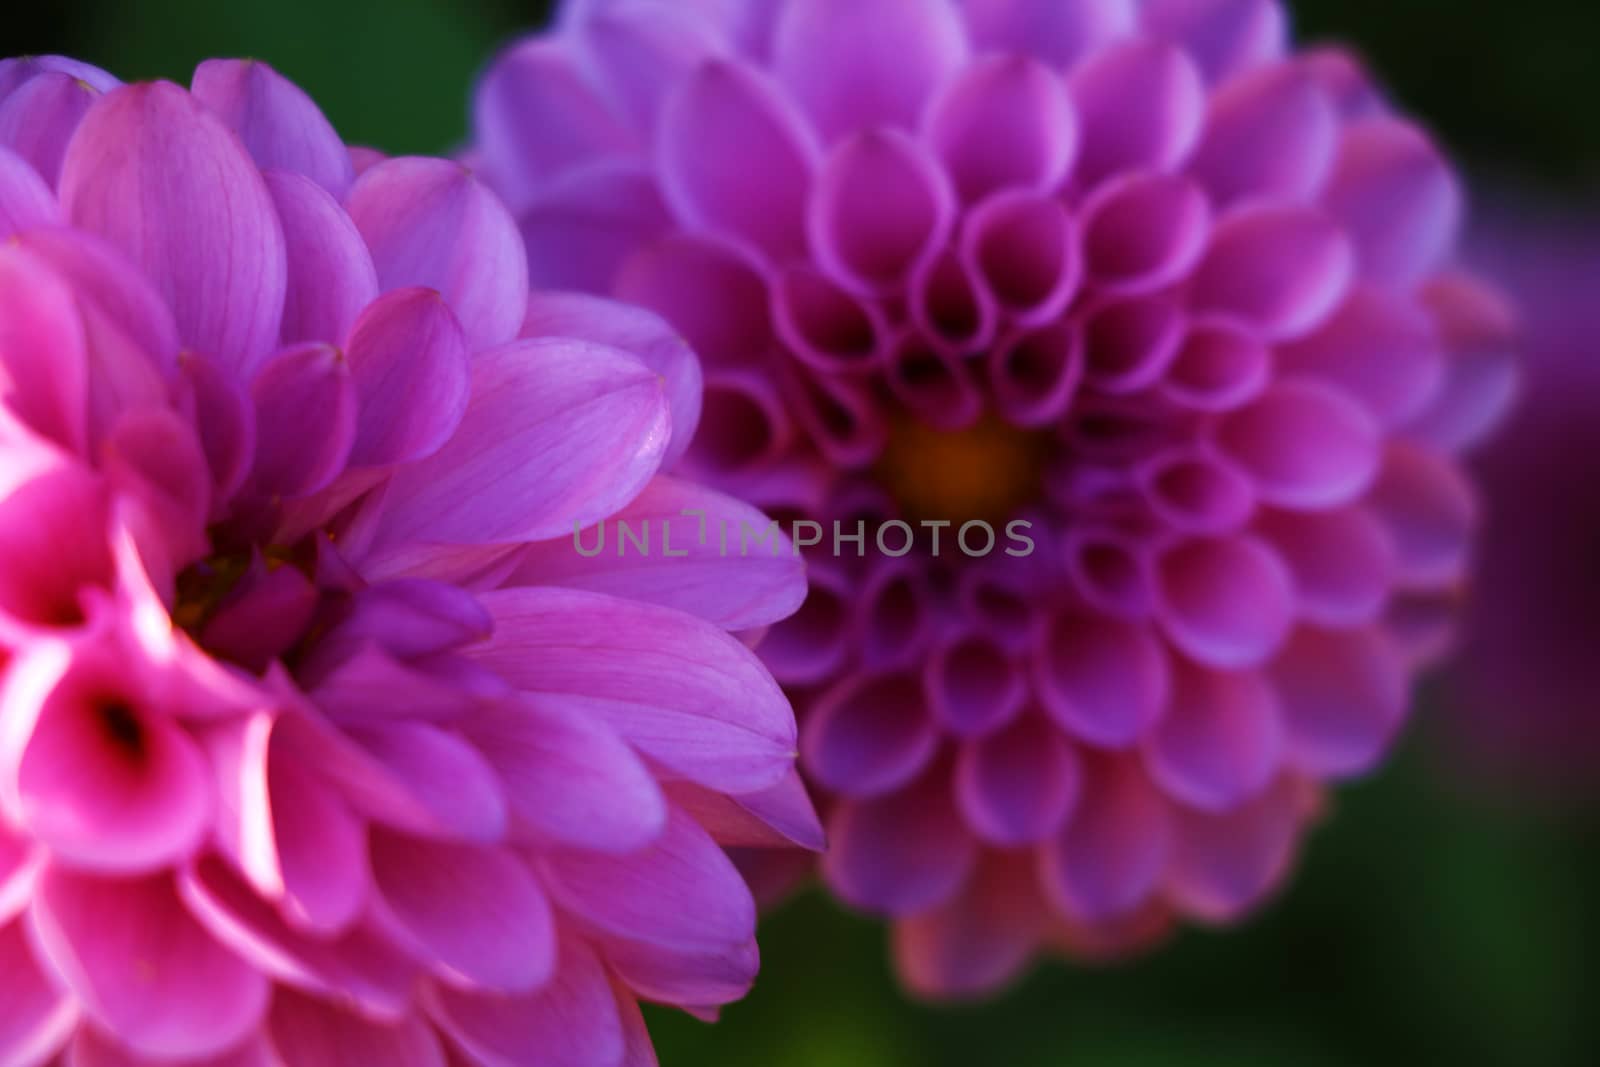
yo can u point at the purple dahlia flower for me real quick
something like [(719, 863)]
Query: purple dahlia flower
[(1132, 274), (1524, 687), (313, 751)]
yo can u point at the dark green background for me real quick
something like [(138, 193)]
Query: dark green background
[(1435, 920)]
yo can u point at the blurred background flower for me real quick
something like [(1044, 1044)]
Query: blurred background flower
[(1435, 919)]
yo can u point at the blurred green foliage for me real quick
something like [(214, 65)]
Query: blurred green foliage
[(1432, 920)]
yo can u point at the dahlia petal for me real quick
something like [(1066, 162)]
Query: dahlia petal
[(20, 861), (866, 737), (569, 780), (1004, 123), (1195, 491), (319, 851), (476, 914), (1220, 365), (361, 968), (1430, 511), (1220, 742), (1140, 106), (736, 159), (280, 126), (1343, 694), (1017, 786), (691, 563), (429, 222), (1225, 37), (143, 968), (1130, 341), (304, 396), (262, 617), (305, 1030), (411, 618), (1227, 602), (557, 433), (641, 52), (406, 346), (702, 979), (1342, 562), (780, 816), (978, 940), (575, 124), (457, 789), (1222, 865), (902, 853), (712, 296), (826, 328), (633, 330), (679, 892), (16, 72), (895, 616), (829, 54), (810, 644), (1378, 347), (1272, 134), (572, 1021), (949, 306), (839, 414), (1060, 34), (1283, 269), (1397, 198), (1304, 445), (934, 383), (972, 685), (39, 1017), (681, 691), (155, 173), (331, 276), (1025, 251), (364, 683), (44, 370), (105, 786), (580, 230), (879, 207), (39, 117), (90, 1048), (744, 429), (1109, 858), (1103, 681), (1478, 331), (1144, 231), (1036, 375)]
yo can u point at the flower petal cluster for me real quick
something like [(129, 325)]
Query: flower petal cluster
[(1135, 272), (312, 751)]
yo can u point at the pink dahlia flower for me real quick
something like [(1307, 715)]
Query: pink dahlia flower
[(1524, 687), (1134, 274), (315, 749)]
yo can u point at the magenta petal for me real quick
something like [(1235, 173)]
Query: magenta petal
[(143, 968), (1224, 36), (679, 690), (1221, 740), (331, 276), (640, 52), (866, 737), (155, 173), (279, 124), (571, 1022), (1344, 696), (1005, 123), (1025, 251), (1018, 786), (1273, 133), (430, 222), (91, 1049), (39, 1016), (830, 55), (972, 685), (1109, 858), (1282, 268), (701, 980), (1304, 445), (1478, 330), (409, 360), (39, 117), (1059, 34), (1227, 602), (319, 852), (557, 433), (709, 293), (44, 370), (1103, 681), (569, 780), (679, 892), (694, 562), (777, 817), (1342, 562), (736, 159), (305, 420), (53, 539), (581, 229), (1397, 197), (314, 1031), (18, 71), (451, 790), (1222, 865), (475, 913), (977, 940), (635, 331), (901, 853), (879, 207), (1430, 511), (1141, 106), (1144, 231)]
